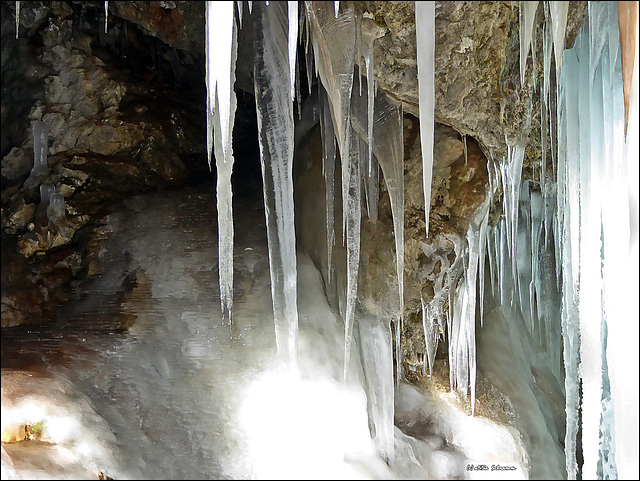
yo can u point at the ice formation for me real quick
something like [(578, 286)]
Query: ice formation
[(425, 39), (17, 19), (221, 55), (276, 134), (293, 44), (598, 244), (527, 17), (106, 15), (328, 170)]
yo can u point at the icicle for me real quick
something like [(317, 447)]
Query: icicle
[(353, 201), (430, 337), (370, 103), (464, 146), (614, 36), (250, 4), (293, 44), (398, 349), (372, 185), (536, 212), (502, 256), (221, 106), (106, 15), (334, 49), (276, 135), (17, 19), (570, 257), (336, 5), (359, 49), (328, 168), (544, 94), (298, 93), (527, 17), (481, 260), (558, 12), (511, 175), (425, 39), (377, 362), (239, 8), (590, 298)]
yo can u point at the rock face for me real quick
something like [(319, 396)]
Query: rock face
[(118, 124)]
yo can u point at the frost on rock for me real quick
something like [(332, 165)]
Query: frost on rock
[(276, 135), (425, 39), (221, 52)]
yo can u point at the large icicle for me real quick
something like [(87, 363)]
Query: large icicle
[(373, 181), (276, 134), (569, 256), (425, 39), (221, 107), (590, 295), (353, 202), (106, 15), (328, 169), (293, 45), (527, 16), (558, 12)]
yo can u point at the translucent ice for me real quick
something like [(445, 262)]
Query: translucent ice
[(276, 135), (221, 52), (425, 39), (527, 17)]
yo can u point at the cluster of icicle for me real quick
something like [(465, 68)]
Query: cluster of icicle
[(366, 127), (565, 254)]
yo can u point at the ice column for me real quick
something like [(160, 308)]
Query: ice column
[(276, 134), (598, 211), (221, 107), (425, 39)]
